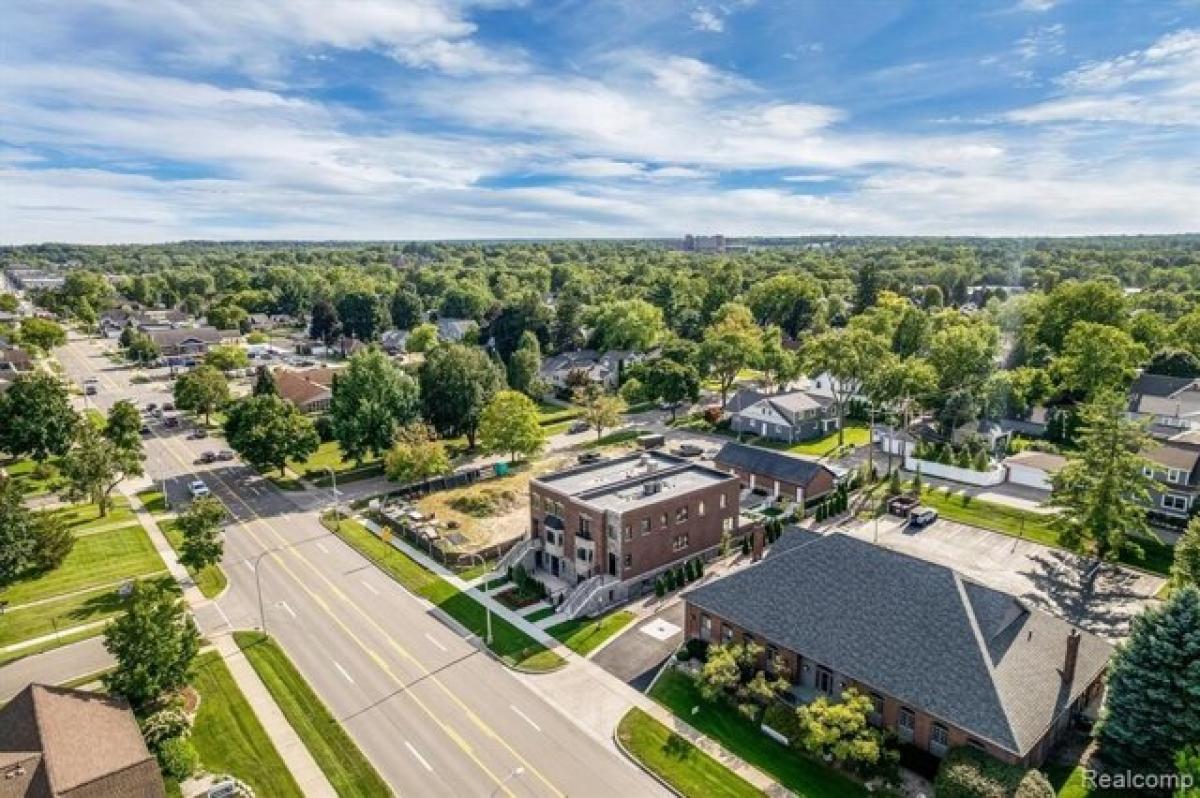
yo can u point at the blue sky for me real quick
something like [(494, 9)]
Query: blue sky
[(156, 120)]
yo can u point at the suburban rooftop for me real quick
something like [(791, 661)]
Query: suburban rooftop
[(619, 484)]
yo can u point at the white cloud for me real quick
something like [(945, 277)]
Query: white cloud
[(1042, 41), (692, 79), (1037, 5), (706, 20)]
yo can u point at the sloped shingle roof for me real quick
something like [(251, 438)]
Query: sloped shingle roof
[(769, 463)]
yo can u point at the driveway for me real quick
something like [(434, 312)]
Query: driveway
[(636, 654), (1103, 600)]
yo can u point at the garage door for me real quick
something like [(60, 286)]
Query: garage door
[(1031, 477)]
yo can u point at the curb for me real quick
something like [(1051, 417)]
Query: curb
[(616, 737)]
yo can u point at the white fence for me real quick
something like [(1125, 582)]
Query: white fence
[(968, 476)]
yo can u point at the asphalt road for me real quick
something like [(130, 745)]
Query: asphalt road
[(434, 713)]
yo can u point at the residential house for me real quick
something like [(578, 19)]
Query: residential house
[(621, 522), (55, 741), (602, 369), (1032, 425), (310, 390), (15, 360), (182, 342), (394, 342), (1168, 405), (788, 417), (945, 660), (990, 433), (780, 475), (1175, 467), (743, 398), (26, 279), (454, 330), (1033, 469)]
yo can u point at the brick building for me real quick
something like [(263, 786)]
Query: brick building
[(946, 661), (780, 475)]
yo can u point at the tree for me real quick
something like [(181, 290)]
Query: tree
[(370, 399), (324, 326), (268, 431), (36, 417), (226, 316), (733, 342), (779, 366), (1186, 332), (963, 354), (1102, 492), (509, 423), (866, 282), (722, 670), (457, 382), (671, 382), (523, 367), (407, 309), (154, 643), (124, 426), (41, 334), (9, 303), (912, 334), (1097, 357), (227, 358), (200, 526), (1071, 302), (901, 383), (201, 390), (1153, 705), (53, 541), (1185, 568), (95, 466), (422, 339), (848, 357), (602, 411), (141, 348), (18, 533), (264, 383), (628, 324), (1174, 363), (416, 455), (363, 315), (841, 730), (790, 301)]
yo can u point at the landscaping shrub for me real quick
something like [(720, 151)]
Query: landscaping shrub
[(164, 725), (178, 758), (981, 461), (324, 427), (969, 773), (963, 458), (699, 567), (1034, 784), (697, 649), (683, 654), (660, 589), (782, 719), (712, 414), (945, 455)]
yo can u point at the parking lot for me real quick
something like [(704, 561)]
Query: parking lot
[(1102, 599), (636, 654)]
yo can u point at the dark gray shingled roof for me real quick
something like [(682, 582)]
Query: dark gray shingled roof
[(972, 656), (777, 465)]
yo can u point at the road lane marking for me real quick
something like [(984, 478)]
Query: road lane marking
[(370, 587), (342, 670), (419, 758), (290, 611), (433, 640), (321, 546), (524, 717), (249, 565)]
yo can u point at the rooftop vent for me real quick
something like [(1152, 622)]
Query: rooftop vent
[(652, 487)]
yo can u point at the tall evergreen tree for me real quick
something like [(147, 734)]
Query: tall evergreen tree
[(523, 367), (1185, 569), (1153, 706), (264, 383)]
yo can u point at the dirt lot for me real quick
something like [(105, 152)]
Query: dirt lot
[(491, 511)]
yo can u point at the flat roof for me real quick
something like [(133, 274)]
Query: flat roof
[(619, 484)]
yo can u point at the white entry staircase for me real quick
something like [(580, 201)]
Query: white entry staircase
[(585, 595)]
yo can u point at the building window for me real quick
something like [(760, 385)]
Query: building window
[(1175, 475), (681, 515), (727, 525), (628, 561), (664, 520), (939, 740), (679, 542), (825, 681), (628, 532), (1147, 471), (906, 723), (705, 627), (645, 523), (727, 633), (876, 708), (722, 501), (585, 526), (700, 509), (1172, 501)]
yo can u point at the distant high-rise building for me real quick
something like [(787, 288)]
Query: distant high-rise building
[(693, 243)]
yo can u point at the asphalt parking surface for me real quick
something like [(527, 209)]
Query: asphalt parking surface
[(638, 652)]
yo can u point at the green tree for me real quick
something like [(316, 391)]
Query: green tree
[(95, 466), (523, 367), (407, 309), (1185, 568), (41, 334), (423, 338), (779, 365), (201, 390), (509, 423), (324, 325), (849, 357), (363, 315), (1097, 357), (416, 455), (1071, 302), (912, 334), (141, 348), (1186, 332), (9, 303), (790, 301), (82, 292), (631, 324), (1153, 706), (226, 316), (733, 342), (866, 283), (671, 382), (154, 643), (268, 431), (200, 525), (36, 417), (1174, 363), (264, 382), (963, 354), (599, 409), (18, 533), (124, 426), (841, 730), (457, 382), (370, 399), (227, 358), (1102, 492)]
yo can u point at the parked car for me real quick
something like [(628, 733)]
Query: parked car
[(590, 457), (151, 407), (145, 431), (578, 427), (225, 455), (198, 489), (922, 516), (197, 434), (171, 421), (207, 457), (689, 450)]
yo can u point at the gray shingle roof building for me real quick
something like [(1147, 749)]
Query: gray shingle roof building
[(965, 654)]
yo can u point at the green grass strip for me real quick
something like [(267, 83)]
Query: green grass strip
[(585, 635), (211, 579), (676, 761)]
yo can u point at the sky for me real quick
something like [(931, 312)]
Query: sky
[(159, 120)]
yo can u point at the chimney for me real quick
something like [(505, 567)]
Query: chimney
[(1068, 673)]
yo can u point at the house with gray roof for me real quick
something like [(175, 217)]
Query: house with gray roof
[(1168, 405), (1175, 467), (789, 417), (784, 476), (945, 660)]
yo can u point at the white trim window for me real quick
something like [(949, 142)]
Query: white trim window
[(906, 724), (1174, 501), (1175, 475)]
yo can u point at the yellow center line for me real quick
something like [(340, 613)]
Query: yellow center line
[(277, 556)]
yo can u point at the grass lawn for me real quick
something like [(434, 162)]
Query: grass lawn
[(154, 501), (338, 757), (685, 767), (475, 570), (584, 635), (345, 477), (82, 518), (21, 471), (229, 737), (856, 435), (803, 776), (211, 579), (283, 483), (509, 643), (12, 656), (555, 414), (53, 616), (327, 455), (537, 615), (97, 559), (613, 438), (1037, 527)]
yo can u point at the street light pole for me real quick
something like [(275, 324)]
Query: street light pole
[(337, 515)]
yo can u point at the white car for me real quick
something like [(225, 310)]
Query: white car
[(198, 489)]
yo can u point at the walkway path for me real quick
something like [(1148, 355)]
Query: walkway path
[(61, 633)]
